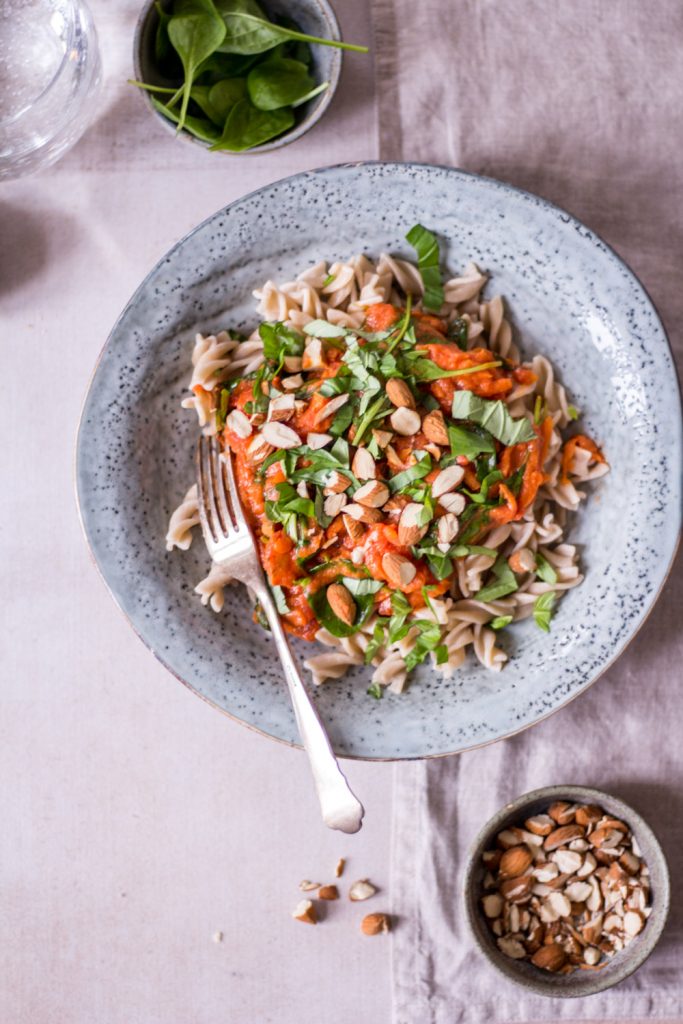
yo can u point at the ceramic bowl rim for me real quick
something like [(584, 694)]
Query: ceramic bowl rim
[(288, 137), (401, 165), (633, 957)]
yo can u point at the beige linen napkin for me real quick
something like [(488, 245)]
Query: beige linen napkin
[(581, 102)]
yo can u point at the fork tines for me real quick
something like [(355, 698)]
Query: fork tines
[(219, 508)]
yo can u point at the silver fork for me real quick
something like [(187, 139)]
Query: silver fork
[(230, 542)]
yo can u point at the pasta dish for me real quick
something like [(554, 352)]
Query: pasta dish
[(407, 478)]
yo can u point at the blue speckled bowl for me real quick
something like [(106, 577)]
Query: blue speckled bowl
[(571, 299)]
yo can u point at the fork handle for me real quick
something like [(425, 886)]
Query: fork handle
[(340, 808)]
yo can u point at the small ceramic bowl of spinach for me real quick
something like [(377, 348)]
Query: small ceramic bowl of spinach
[(235, 76)]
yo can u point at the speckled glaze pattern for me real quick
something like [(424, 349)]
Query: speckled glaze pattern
[(313, 17), (570, 298), (624, 963)]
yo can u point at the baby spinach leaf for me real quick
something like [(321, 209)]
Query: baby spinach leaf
[(427, 248), (500, 622), (374, 689), (505, 583), (225, 65), (377, 640), (311, 95), (162, 44), (249, 31), (200, 127), (543, 610), (428, 639), (278, 83), (362, 587), (280, 341), (200, 95), (494, 416), (223, 96), (247, 127), (544, 570), (408, 476), (195, 30)]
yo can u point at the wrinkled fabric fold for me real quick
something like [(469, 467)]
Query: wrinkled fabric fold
[(583, 104)]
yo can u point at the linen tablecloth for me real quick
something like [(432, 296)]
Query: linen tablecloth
[(581, 102)]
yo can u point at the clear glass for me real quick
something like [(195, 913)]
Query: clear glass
[(50, 75)]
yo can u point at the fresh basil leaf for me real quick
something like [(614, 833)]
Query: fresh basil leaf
[(343, 420), (544, 606), (428, 639), (375, 690), (377, 640), (247, 127), (500, 622), (573, 412), (506, 582), (457, 332), (544, 570), (280, 341), (493, 416), (408, 476), (427, 248), (426, 369), (320, 607), (469, 443), (323, 329), (321, 516), (401, 609), (361, 587), (280, 600)]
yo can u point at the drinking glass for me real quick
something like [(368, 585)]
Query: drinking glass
[(50, 75)]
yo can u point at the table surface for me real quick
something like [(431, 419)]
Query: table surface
[(137, 820)]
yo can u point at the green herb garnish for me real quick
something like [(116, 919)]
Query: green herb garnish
[(427, 248), (544, 570), (494, 416), (544, 606)]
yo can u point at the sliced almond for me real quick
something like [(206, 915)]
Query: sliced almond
[(382, 438), (434, 427), (511, 947), (307, 886), (362, 513), (546, 872), (361, 890), (592, 956), (454, 503), (395, 464), (578, 892), (339, 867), (293, 364), (559, 903), (630, 862), (405, 421), (409, 529), (281, 408), (373, 494), (293, 383), (606, 838), (400, 571), (336, 483), (280, 435), (399, 394), (561, 836), (375, 924), (522, 561), (354, 529), (305, 911), (493, 905), (342, 603), (434, 451), (333, 504), (510, 837), (330, 408), (447, 529), (516, 890), (567, 861), (633, 923), (588, 814), (364, 466), (258, 448), (313, 358), (447, 480), (328, 892), (316, 441), (550, 958), (540, 824), (588, 867), (238, 422), (515, 861)]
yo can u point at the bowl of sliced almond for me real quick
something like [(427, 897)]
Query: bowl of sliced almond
[(567, 891)]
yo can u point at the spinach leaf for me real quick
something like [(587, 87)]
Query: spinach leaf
[(278, 83), (200, 127), (225, 65), (401, 609), (224, 94), (195, 31), (544, 606), (320, 607), (362, 587), (408, 476), (249, 31), (506, 582), (427, 248), (494, 416), (247, 127), (162, 44), (544, 570), (199, 94), (311, 95), (377, 640), (374, 690)]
